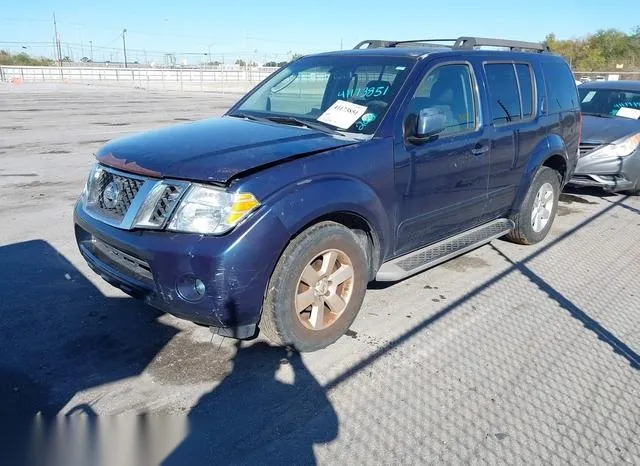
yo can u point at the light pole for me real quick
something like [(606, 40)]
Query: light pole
[(209, 55), (124, 47), (91, 47)]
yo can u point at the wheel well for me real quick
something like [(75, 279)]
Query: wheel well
[(557, 163), (367, 237)]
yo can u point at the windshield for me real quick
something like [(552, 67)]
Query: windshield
[(610, 102), (315, 89)]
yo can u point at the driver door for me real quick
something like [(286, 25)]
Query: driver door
[(441, 183)]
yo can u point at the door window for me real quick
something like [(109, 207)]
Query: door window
[(510, 92), (448, 89)]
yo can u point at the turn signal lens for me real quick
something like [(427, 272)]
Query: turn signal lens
[(242, 205)]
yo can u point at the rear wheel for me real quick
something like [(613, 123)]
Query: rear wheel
[(538, 210), (316, 289)]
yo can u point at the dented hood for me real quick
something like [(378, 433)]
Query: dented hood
[(214, 150)]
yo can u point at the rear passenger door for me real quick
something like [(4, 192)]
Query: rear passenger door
[(515, 129)]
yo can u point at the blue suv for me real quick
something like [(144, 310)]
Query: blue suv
[(340, 168)]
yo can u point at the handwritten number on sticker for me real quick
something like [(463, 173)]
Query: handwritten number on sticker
[(364, 92)]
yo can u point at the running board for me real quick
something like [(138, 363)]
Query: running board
[(437, 253)]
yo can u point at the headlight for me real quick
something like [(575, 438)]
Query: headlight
[(209, 210), (91, 187), (620, 148)]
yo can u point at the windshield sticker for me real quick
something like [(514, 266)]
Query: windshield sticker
[(342, 114), (365, 120), (627, 112), (363, 92), (588, 97), (401, 68)]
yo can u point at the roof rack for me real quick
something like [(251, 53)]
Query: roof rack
[(373, 44), (461, 43), (421, 41), (469, 43)]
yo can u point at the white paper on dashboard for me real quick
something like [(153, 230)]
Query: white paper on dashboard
[(342, 114), (627, 112)]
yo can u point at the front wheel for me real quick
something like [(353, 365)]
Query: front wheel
[(538, 210), (316, 289)]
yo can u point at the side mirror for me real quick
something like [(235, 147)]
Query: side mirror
[(431, 122)]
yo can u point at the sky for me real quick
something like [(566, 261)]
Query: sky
[(271, 30)]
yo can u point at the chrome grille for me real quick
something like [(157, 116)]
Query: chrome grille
[(586, 148), (129, 201), (127, 188)]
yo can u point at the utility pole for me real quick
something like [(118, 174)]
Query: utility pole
[(81, 44), (58, 51), (124, 48), (91, 46)]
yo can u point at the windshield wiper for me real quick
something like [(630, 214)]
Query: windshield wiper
[(247, 116), (287, 120)]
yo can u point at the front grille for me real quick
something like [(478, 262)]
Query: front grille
[(586, 148), (125, 189), (129, 201)]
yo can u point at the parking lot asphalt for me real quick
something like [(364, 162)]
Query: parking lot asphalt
[(509, 354)]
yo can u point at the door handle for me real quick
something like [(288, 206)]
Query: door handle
[(479, 149)]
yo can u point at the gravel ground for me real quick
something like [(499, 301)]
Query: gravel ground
[(509, 354)]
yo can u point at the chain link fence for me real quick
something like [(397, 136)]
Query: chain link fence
[(588, 76), (230, 79)]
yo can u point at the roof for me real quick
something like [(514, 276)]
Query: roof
[(617, 85), (419, 52), (410, 52)]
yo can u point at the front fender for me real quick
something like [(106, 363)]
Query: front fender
[(307, 200), (547, 147)]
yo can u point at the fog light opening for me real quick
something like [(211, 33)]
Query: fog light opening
[(191, 288)]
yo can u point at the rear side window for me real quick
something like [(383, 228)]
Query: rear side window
[(510, 92), (562, 95), (526, 89)]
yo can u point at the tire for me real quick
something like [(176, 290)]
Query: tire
[(525, 231), (326, 248)]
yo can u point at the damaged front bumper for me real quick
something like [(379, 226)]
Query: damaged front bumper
[(219, 281), (610, 173)]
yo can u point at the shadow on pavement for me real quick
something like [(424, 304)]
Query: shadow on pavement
[(616, 345), (61, 335), (589, 323), (257, 416), (588, 191)]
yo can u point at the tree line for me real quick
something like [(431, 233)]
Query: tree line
[(23, 59), (605, 50)]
